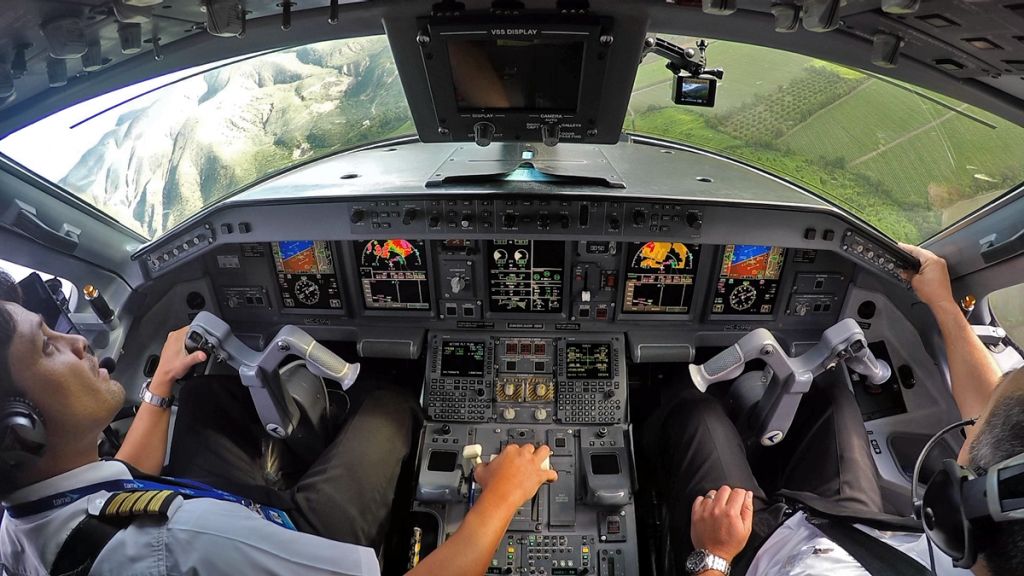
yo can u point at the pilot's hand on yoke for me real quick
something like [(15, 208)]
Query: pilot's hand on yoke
[(516, 474), (931, 283), (175, 362), (721, 520)]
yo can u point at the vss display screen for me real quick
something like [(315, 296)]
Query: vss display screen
[(497, 74), (462, 358), (660, 277), (306, 274), (748, 279), (393, 274), (588, 361), (525, 275)]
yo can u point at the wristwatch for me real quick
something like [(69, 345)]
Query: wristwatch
[(701, 561), (155, 399)]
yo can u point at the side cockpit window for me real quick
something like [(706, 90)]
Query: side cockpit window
[(1008, 307)]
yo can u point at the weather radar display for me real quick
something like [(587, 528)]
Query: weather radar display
[(748, 281), (660, 277), (306, 275), (393, 274)]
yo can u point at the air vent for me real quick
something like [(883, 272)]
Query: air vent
[(947, 64), (937, 21), (983, 44)]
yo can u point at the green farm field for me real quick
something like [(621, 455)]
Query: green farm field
[(903, 159)]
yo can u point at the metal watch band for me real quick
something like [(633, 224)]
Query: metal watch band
[(155, 399), (718, 563), (701, 561)]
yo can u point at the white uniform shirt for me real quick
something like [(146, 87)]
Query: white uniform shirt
[(797, 548), (200, 536)]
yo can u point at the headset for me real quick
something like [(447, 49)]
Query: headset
[(22, 434), (958, 500)]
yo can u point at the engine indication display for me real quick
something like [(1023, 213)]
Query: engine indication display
[(748, 281), (585, 361), (660, 277), (306, 274), (525, 275), (393, 274), (462, 359)]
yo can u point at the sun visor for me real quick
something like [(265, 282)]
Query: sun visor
[(533, 77)]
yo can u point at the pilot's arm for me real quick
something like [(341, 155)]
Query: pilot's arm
[(145, 444), (507, 481), (974, 373)]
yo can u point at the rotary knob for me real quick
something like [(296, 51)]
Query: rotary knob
[(540, 414), (542, 390), (357, 216), (458, 284), (510, 389), (508, 220), (508, 413)]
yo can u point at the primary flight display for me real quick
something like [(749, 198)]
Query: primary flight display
[(306, 275), (748, 279)]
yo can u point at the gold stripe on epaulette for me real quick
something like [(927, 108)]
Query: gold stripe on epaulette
[(126, 505), (141, 505), (112, 503)]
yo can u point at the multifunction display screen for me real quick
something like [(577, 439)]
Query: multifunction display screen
[(660, 277), (748, 280), (393, 274), (525, 275), (540, 75), (306, 275), (465, 359), (585, 361)]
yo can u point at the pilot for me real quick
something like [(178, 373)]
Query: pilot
[(717, 505), (68, 512)]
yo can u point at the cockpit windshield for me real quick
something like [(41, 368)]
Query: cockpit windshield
[(908, 161)]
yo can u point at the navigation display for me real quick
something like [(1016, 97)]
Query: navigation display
[(393, 274), (588, 361), (525, 275), (748, 281), (462, 358), (306, 275), (660, 277)]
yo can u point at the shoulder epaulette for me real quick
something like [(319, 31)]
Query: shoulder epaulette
[(135, 503)]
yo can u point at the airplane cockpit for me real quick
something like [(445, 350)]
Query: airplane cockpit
[(537, 219)]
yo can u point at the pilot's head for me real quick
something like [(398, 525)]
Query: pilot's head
[(1000, 437), (59, 376)]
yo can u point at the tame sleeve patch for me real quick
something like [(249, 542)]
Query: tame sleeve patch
[(136, 503)]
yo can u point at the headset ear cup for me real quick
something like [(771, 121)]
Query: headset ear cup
[(942, 514), (22, 434)]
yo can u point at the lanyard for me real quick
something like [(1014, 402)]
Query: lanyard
[(186, 488)]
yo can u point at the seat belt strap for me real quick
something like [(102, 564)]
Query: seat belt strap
[(83, 546), (877, 557)]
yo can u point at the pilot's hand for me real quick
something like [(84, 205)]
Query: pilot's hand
[(931, 283), (516, 474), (175, 362), (720, 521)]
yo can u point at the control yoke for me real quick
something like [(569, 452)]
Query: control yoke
[(788, 378), (275, 406)]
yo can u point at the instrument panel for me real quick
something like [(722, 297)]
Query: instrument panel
[(509, 282)]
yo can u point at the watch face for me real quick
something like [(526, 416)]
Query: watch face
[(696, 561)]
